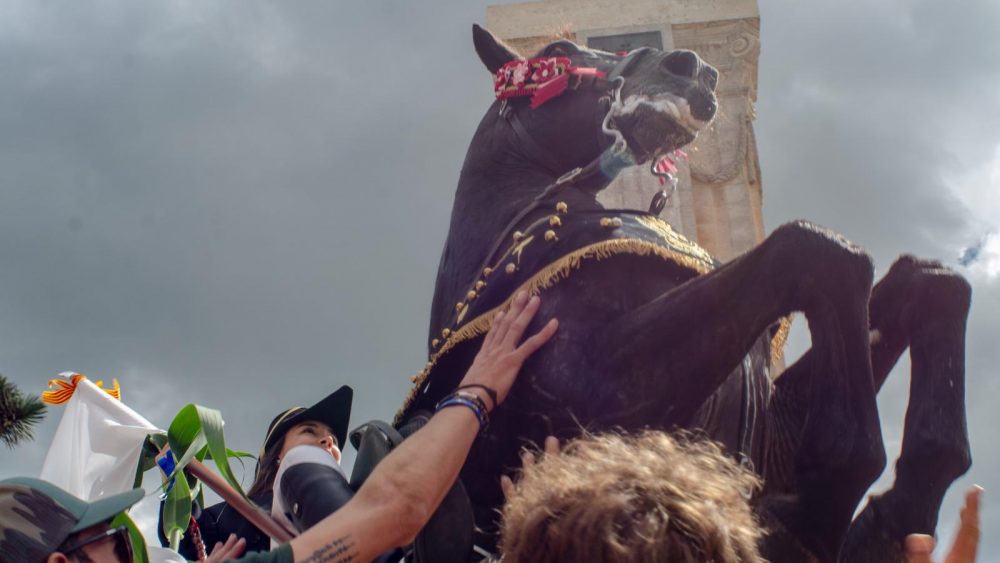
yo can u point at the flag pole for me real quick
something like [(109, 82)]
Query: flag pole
[(263, 521)]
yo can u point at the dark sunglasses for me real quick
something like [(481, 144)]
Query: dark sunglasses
[(123, 543)]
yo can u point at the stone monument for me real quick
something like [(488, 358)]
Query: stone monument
[(718, 200)]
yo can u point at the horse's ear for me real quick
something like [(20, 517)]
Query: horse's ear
[(491, 50)]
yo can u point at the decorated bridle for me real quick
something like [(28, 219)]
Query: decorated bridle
[(545, 78)]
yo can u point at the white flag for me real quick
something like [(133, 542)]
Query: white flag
[(96, 448)]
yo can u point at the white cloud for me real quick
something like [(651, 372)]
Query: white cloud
[(983, 258)]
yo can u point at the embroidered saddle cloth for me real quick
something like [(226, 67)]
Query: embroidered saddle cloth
[(544, 251)]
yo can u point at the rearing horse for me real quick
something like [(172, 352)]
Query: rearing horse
[(655, 333)]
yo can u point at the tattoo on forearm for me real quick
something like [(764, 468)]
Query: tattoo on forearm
[(341, 550)]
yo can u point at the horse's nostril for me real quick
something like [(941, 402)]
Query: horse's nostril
[(682, 63), (709, 77), (703, 107)]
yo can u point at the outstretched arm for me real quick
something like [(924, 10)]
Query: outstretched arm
[(408, 485)]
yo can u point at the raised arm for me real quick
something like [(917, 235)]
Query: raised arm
[(408, 485)]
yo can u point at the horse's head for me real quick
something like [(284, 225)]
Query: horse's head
[(568, 107), (657, 101)]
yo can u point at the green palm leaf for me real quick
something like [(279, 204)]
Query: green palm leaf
[(19, 413)]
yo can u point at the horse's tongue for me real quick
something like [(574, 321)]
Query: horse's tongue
[(667, 163)]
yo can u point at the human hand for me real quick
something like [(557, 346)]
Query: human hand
[(232, 549), (527, 460), (500, 358), (966, 544)]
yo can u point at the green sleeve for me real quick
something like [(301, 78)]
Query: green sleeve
[(281, 554)]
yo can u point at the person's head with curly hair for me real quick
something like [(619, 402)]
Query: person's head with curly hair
[(643, 498)]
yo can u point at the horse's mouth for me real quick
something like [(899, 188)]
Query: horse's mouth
[(656, 124)]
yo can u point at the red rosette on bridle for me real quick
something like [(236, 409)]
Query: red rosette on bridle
[(542, 78)]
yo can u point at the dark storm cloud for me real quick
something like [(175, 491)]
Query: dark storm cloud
[(873, 108), (243, 205), (239, 207)]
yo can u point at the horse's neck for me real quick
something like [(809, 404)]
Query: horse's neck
[(485, 203)]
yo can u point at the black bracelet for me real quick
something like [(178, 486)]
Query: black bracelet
[(491, 393), (470, 401)]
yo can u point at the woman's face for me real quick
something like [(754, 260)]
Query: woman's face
[(311, 433)]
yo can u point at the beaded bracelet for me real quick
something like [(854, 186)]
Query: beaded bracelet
[(490, 392), (474, 404), (472, 397)]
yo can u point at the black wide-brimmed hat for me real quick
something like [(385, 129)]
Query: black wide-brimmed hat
[(333, 411)]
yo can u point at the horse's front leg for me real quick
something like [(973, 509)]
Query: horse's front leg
[(924, 306), (681, 346)]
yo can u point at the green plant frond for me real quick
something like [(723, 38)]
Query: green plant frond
[(147, 458), (140, 554), (177, 512), (233, 454), (19, 413), (196, 433)]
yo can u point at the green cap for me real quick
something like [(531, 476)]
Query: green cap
[(36, 517)]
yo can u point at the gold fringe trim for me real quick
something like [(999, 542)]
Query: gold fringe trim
[(672, 237), (780, 338), (544, 279)]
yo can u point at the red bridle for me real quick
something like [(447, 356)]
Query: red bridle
[(542, 78)]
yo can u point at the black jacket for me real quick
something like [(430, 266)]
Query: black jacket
[(217, 522)]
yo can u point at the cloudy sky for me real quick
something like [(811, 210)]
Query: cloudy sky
[(243, 204)]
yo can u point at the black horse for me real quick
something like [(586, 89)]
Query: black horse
[(654, 333)]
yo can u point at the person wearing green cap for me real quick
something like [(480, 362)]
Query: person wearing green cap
[(41, 522)]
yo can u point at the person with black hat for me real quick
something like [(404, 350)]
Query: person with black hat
[(405, 488), (323, 425), (309, 483)]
